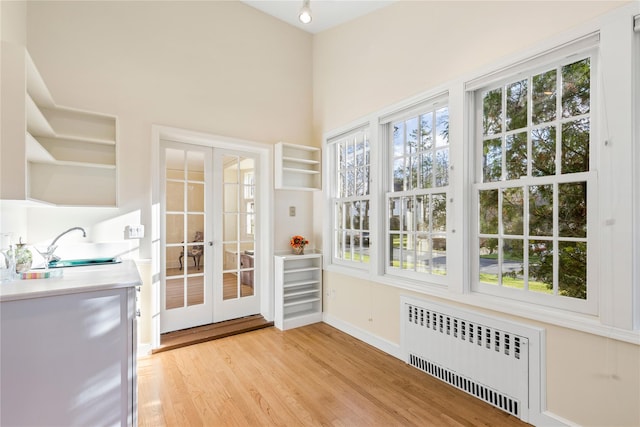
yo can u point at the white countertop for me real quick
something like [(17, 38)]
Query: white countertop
[(74, 280)]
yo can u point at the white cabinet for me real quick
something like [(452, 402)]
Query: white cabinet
[(69, 359), (57, 155), (298, 290), (297, 167)]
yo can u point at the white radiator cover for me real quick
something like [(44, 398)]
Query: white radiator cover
[(492, 359)]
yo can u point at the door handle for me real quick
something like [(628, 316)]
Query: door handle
[(210, 243)]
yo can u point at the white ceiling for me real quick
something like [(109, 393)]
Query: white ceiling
[(325, 13)]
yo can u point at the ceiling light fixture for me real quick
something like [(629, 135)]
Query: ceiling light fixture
[(305, 13)]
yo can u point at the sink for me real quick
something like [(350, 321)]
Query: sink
[(83, 262)]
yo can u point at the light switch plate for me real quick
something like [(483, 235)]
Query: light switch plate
[(134, 232), (292, 211)]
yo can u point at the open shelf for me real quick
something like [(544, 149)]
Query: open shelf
[(70, 155), (297, 167), (298, 290)]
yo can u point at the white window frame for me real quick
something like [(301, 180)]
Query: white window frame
[(617, 314), (573, 52), (386, 122), (361, 134)]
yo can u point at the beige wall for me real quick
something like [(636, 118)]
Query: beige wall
[(411, 47), (218, 67)]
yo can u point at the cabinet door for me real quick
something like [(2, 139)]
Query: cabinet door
[(68, 360)]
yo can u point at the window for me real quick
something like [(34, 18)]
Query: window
[(417, 202), (534, 183), (351, 201)]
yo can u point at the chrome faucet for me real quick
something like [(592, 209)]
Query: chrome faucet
[(48, 255)]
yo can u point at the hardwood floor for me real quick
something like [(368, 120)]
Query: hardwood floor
[(309, 376)]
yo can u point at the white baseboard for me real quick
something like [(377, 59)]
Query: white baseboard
[(380, 343)]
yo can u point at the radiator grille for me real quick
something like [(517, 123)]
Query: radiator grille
[(493, 397), (472, 352)]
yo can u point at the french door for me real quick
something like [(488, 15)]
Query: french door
[(208, 235)]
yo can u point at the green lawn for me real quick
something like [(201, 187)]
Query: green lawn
[(511, 282)]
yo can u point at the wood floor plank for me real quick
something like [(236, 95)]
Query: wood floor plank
[(309, 376)]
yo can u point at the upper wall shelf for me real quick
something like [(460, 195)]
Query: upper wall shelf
[(297, 167), (70, 155)]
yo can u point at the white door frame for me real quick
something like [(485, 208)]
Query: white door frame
[(264, 193)]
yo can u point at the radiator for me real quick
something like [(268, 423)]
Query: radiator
[(486, 357)]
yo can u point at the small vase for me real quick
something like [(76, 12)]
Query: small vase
[(299, 250), (23, 257)]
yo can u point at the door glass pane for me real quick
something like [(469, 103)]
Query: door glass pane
[(185, 192), (174, 228), (174, 293), (238, 226), (195, 290), (175, 196)]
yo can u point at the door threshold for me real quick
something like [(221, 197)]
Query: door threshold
[(213, 331)]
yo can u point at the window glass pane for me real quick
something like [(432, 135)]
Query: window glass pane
[(516, 155), (541, 266), (439, 212), (407, 251), (576, 88), (492, 160), (488, 250), (394, 250), (398, 174), (398, 139), (541, 210), (426, 131), (364, 214), (230, 200), (412, 135), (348, 212), (426, 169), (407, 214), (439, 258), (173, 261), (423, 254), (413, 173), (488, 211), (516, 105), (442, 167), (512, 210), (512, 268), (575, 146), (442, 127), (572, 269), (230, 231), (543, 151), (195, 228), (572, 209), (422, 213), (492, 112), (394, 214), (195, 166), (544, 97)]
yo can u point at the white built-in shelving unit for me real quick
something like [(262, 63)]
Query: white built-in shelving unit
[(69, 155), (298, 281), (297, 167)]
